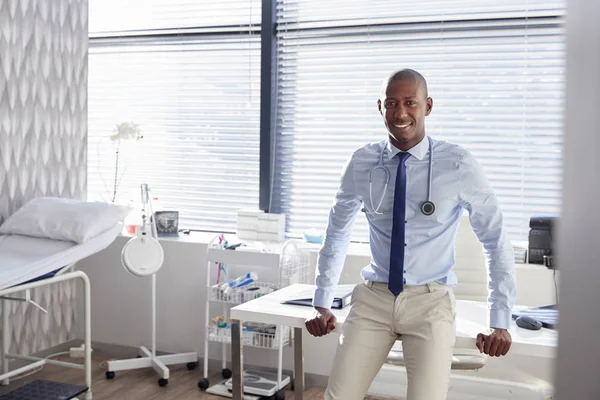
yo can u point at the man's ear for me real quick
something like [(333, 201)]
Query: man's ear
[(379, 107), (428, 106)]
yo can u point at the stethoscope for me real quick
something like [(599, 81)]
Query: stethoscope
[(427, 207)]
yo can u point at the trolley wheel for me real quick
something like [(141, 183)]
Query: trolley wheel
[(292, 385), (226, 373), (162, 382), (191, 365), (203, 384), (110, 375)]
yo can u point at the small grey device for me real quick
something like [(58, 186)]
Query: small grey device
[(527, 322)]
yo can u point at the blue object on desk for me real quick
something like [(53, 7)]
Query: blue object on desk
[(547, 315), (313, 236)]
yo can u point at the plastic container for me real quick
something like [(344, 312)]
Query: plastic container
[(313, 236), (133, 220)]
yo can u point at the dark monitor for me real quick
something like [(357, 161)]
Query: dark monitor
[(541, 245)]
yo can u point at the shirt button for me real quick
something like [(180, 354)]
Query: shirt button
[(406, 222), (405, 245), (405, 281)]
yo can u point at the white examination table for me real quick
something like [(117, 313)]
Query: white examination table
[(29, 262)]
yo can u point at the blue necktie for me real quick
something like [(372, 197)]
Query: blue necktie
[(396, 279)]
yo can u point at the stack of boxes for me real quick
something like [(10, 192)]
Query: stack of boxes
[(261, 226)]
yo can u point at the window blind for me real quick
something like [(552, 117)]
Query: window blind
[(196, 98), (123, 17), (495, 71)]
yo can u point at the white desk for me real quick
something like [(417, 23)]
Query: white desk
[(471, 319)]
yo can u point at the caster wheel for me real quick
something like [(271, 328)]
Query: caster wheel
[(280, 395), (163, 382), (292, 385), (226, 373), (191, 365), (203, 384), (110, 375)]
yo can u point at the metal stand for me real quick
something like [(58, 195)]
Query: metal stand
[(148, 358)]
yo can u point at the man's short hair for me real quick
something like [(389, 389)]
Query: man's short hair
[(406, 74)]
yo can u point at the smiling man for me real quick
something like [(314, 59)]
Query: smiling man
[(413, 190)]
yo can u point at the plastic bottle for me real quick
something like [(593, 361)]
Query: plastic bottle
[(250, 276), (238, 282)]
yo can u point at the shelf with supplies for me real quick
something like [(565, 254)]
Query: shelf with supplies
[(236, 274), (252, 291), (253, 335)]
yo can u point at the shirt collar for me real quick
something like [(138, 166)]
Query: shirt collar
[(419, 150)]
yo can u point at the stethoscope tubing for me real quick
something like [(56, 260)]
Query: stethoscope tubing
[(427, 207)]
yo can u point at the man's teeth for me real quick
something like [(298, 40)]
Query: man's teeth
[(401, 126)]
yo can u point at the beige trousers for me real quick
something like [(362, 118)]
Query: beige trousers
[(423, 317)]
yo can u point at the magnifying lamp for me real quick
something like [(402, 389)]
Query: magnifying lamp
[(143, 255)]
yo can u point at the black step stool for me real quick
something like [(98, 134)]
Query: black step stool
[(45, 390)]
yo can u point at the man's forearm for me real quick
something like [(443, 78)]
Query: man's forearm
[(503, 286), (330, 263)]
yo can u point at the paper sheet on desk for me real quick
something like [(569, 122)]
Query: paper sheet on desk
[(342, 296)]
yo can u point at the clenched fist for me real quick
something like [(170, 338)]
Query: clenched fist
[(321, 322), (496, 344)]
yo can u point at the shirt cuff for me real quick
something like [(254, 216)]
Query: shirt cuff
[(322, 299), (500, 319)]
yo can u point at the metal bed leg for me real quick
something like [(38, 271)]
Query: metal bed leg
[(5, 341), (87, 366), (87, 335)]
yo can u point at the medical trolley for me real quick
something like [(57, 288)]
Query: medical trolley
[(236, 274)]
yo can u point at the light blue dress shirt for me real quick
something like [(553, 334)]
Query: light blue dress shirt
[(458, 183)]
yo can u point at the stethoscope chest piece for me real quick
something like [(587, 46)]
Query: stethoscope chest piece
[(427, 208)]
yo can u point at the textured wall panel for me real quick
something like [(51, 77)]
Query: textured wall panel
[(43, 135)]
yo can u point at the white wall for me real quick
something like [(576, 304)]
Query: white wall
[(579, 344), (121, 309), (43, 132)]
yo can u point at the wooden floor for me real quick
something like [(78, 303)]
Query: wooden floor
[(138, 384)]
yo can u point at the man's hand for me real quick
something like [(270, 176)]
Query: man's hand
[(321, 322), (495, 344)]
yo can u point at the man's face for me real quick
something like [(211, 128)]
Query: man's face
[(404, 108)]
